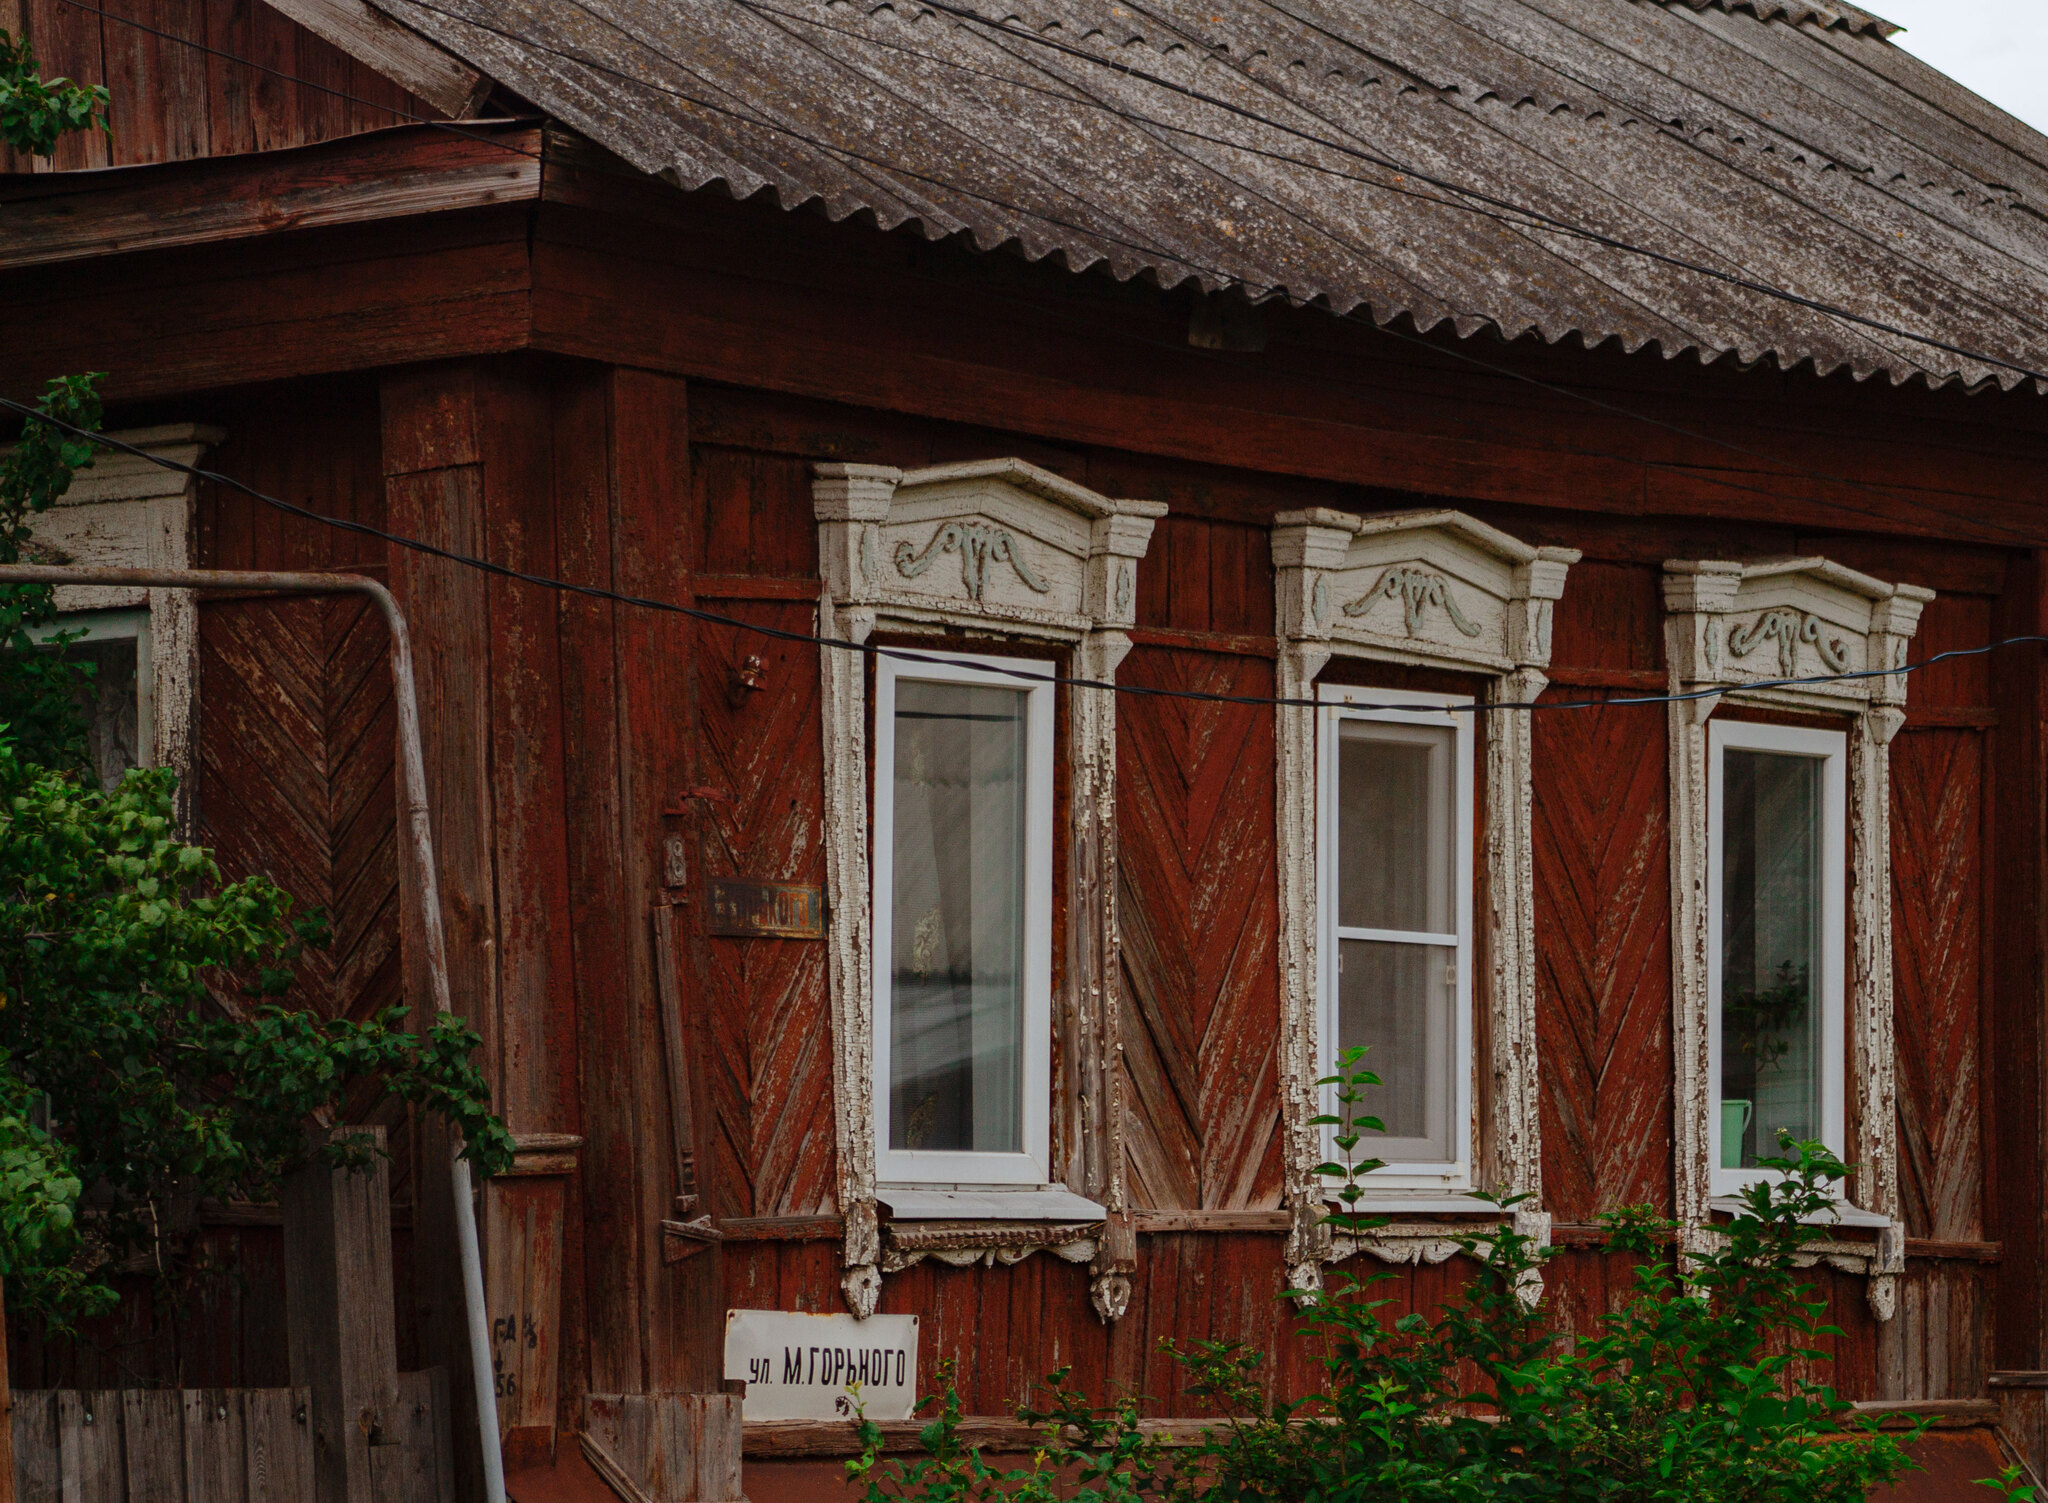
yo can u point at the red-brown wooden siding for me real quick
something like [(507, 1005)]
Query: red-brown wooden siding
[(254, 81)]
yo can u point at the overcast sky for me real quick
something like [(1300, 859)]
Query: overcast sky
[(1997, 48)]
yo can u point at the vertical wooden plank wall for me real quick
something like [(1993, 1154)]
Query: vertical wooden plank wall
[(170, 101), (759, 814), (557, 747)]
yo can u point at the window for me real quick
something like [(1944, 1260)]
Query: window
[(963, 920), (1396, 798), (118, 708), (1776, 865)]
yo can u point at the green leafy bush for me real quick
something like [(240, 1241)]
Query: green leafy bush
[(36, 112), (146, 1059), (1693, 1391)]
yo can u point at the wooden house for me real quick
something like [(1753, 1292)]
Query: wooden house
[(1309, 389)]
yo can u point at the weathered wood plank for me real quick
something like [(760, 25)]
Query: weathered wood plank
[(277, 1424), (348, 182), (1197, 907), (1603, 915), (153, 1444), (337, 1232), (93, 1462), (606, 1043), (414, 1464), (401, 55), (216, 1444), (38, 1462)]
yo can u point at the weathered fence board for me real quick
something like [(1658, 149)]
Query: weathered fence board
[(675, 1447), (216, 1445)]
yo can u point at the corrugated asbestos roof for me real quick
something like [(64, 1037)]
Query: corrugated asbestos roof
[(1231, 141)]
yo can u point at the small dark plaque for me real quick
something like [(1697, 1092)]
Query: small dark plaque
[(764, 910)]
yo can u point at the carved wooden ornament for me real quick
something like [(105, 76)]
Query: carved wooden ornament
[(999, 548), (1746, 628), (1440, 589)]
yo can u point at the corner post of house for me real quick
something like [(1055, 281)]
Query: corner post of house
[(1697, 598), (850, 503), (1306, 546)]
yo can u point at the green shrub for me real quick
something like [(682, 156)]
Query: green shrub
[(1694, 1391)]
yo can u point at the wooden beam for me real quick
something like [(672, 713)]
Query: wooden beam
[(399, 53), (52, 218), (337, 1264)]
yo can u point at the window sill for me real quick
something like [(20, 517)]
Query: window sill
[(1043, 1203), (1428, 1202), (1843, 1214)]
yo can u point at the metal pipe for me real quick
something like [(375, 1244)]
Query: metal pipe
[(419, 829)]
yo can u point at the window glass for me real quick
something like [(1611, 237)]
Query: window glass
[(957, 912), (1394, 820), (1771, 965), (111, 705), (1397, 916), (115, 703)]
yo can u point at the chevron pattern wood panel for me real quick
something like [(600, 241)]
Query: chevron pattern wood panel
[(1603, 971), (1197, 904), (1938, 937), (296, 777), (769, 1065)]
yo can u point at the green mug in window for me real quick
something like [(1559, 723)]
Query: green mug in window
[(1735, 1115)]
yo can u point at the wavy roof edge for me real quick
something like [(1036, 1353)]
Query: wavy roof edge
[(1793, 12), (1747, 241)]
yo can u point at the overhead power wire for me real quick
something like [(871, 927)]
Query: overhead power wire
[(935, 659), (1536, 218), (1153, 251), (1414, 338), (1145, 249), (1150, 250), (1495, 208)]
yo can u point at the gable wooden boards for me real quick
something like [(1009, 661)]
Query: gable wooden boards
[(404, 56)]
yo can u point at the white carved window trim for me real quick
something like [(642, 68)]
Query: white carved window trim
[(1006, 552), (126, 512), (1831, 749), (1429, 589), (1455, 1174), (957, 1170), (1742, 629)]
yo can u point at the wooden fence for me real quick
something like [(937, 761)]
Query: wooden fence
[(215, 1445), (352, 1429)]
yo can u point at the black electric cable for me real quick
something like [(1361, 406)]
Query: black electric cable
[(1461, 355), (911, 655), (1497, 209), (1535, 218), (1158, 253)]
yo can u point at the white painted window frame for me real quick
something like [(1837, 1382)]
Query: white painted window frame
[(995, 550), (126, 511), (1831, 749), (954, 1169), (1433, 589), (1756, 634), (1421, 709)]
